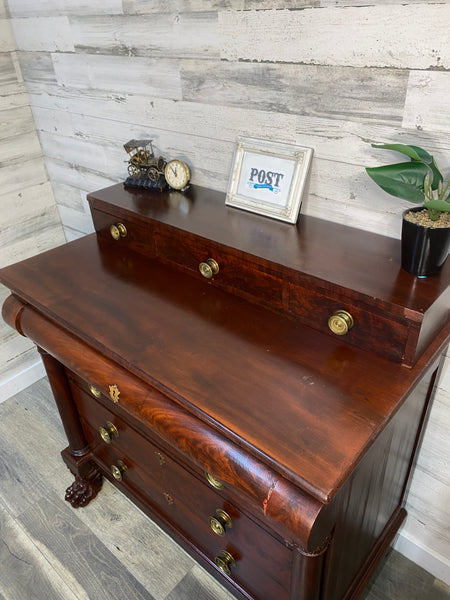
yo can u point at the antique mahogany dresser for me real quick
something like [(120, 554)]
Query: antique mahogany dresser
[(258, 388)]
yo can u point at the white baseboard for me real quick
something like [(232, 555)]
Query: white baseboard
[(20, 378), (434, 563)]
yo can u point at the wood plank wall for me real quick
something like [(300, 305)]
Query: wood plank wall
[(335, 75), (29, 219)]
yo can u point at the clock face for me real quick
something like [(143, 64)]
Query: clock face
[(177, 174)]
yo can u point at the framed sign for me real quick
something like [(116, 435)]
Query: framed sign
[(269, 178)]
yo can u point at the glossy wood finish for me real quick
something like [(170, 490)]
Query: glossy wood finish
[(313, 438), (280, 265), (109, 550)]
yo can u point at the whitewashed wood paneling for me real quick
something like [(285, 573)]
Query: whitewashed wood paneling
[(30, 220), (298, 89), (7, 43), (9, 81), (31, 8), (37, 66), (95, 114), (52, 34), (19, 99), (160, 6), (155, 77), (364, 36), (427, 101), (21, 206), (19, 149), (16, 121), (32, 172), (190, 35), (61, 172)]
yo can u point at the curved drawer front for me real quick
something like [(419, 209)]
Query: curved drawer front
[(260, 563)]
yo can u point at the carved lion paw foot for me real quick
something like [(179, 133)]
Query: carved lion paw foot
[(82, 491)]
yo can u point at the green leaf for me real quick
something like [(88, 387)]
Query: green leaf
[(418, 154), (403, 180), (414, 152), (440, 205)]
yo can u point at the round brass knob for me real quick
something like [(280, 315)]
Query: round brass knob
[(118, 230), (225, 561), (340, 322), (94, 391), (213, 481), (118, 470), (208, 268), (108, 432), (220, 522)]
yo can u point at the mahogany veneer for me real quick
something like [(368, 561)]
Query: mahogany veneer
[(311, 435)]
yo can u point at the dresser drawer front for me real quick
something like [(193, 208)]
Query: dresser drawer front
[(248, 278), (370, 331), (185, 502), (137, 238), (236, 274)]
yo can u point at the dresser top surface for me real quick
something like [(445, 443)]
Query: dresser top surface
[(305, 403), (367, 263)]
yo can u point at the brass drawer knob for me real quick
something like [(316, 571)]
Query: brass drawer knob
[(213, 481), (340, 322), (220, 522), (225, 562), (118, 470), (108, 432), (118, 230), (208, 268), (94, 391)]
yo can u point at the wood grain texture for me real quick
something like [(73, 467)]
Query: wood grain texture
[(26, 8), (155, 77), (144, 553), (186, 34), (7, 43), (58, 532), (410, 103), (30, 221), (37, 66), (278, 88), (366, 36), (49, 35), (425, 106), (25, 572), (143, 7)]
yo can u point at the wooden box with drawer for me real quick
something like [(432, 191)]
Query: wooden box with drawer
[(258, 388)]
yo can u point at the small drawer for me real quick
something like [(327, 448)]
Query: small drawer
[(122, 233), (235, 274), (370, 331)]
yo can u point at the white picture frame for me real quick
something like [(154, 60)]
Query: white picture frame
[(269, 178)]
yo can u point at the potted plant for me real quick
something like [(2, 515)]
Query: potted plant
[(425, 229)]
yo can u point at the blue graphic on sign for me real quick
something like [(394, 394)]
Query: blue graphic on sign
[(265, 186), (267, 180)]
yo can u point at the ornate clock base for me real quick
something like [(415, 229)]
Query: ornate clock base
[(82, 490)]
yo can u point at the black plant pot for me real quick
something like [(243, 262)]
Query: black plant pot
[(424, 249)]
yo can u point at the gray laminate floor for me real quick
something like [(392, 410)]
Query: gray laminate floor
[(108, 550)]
